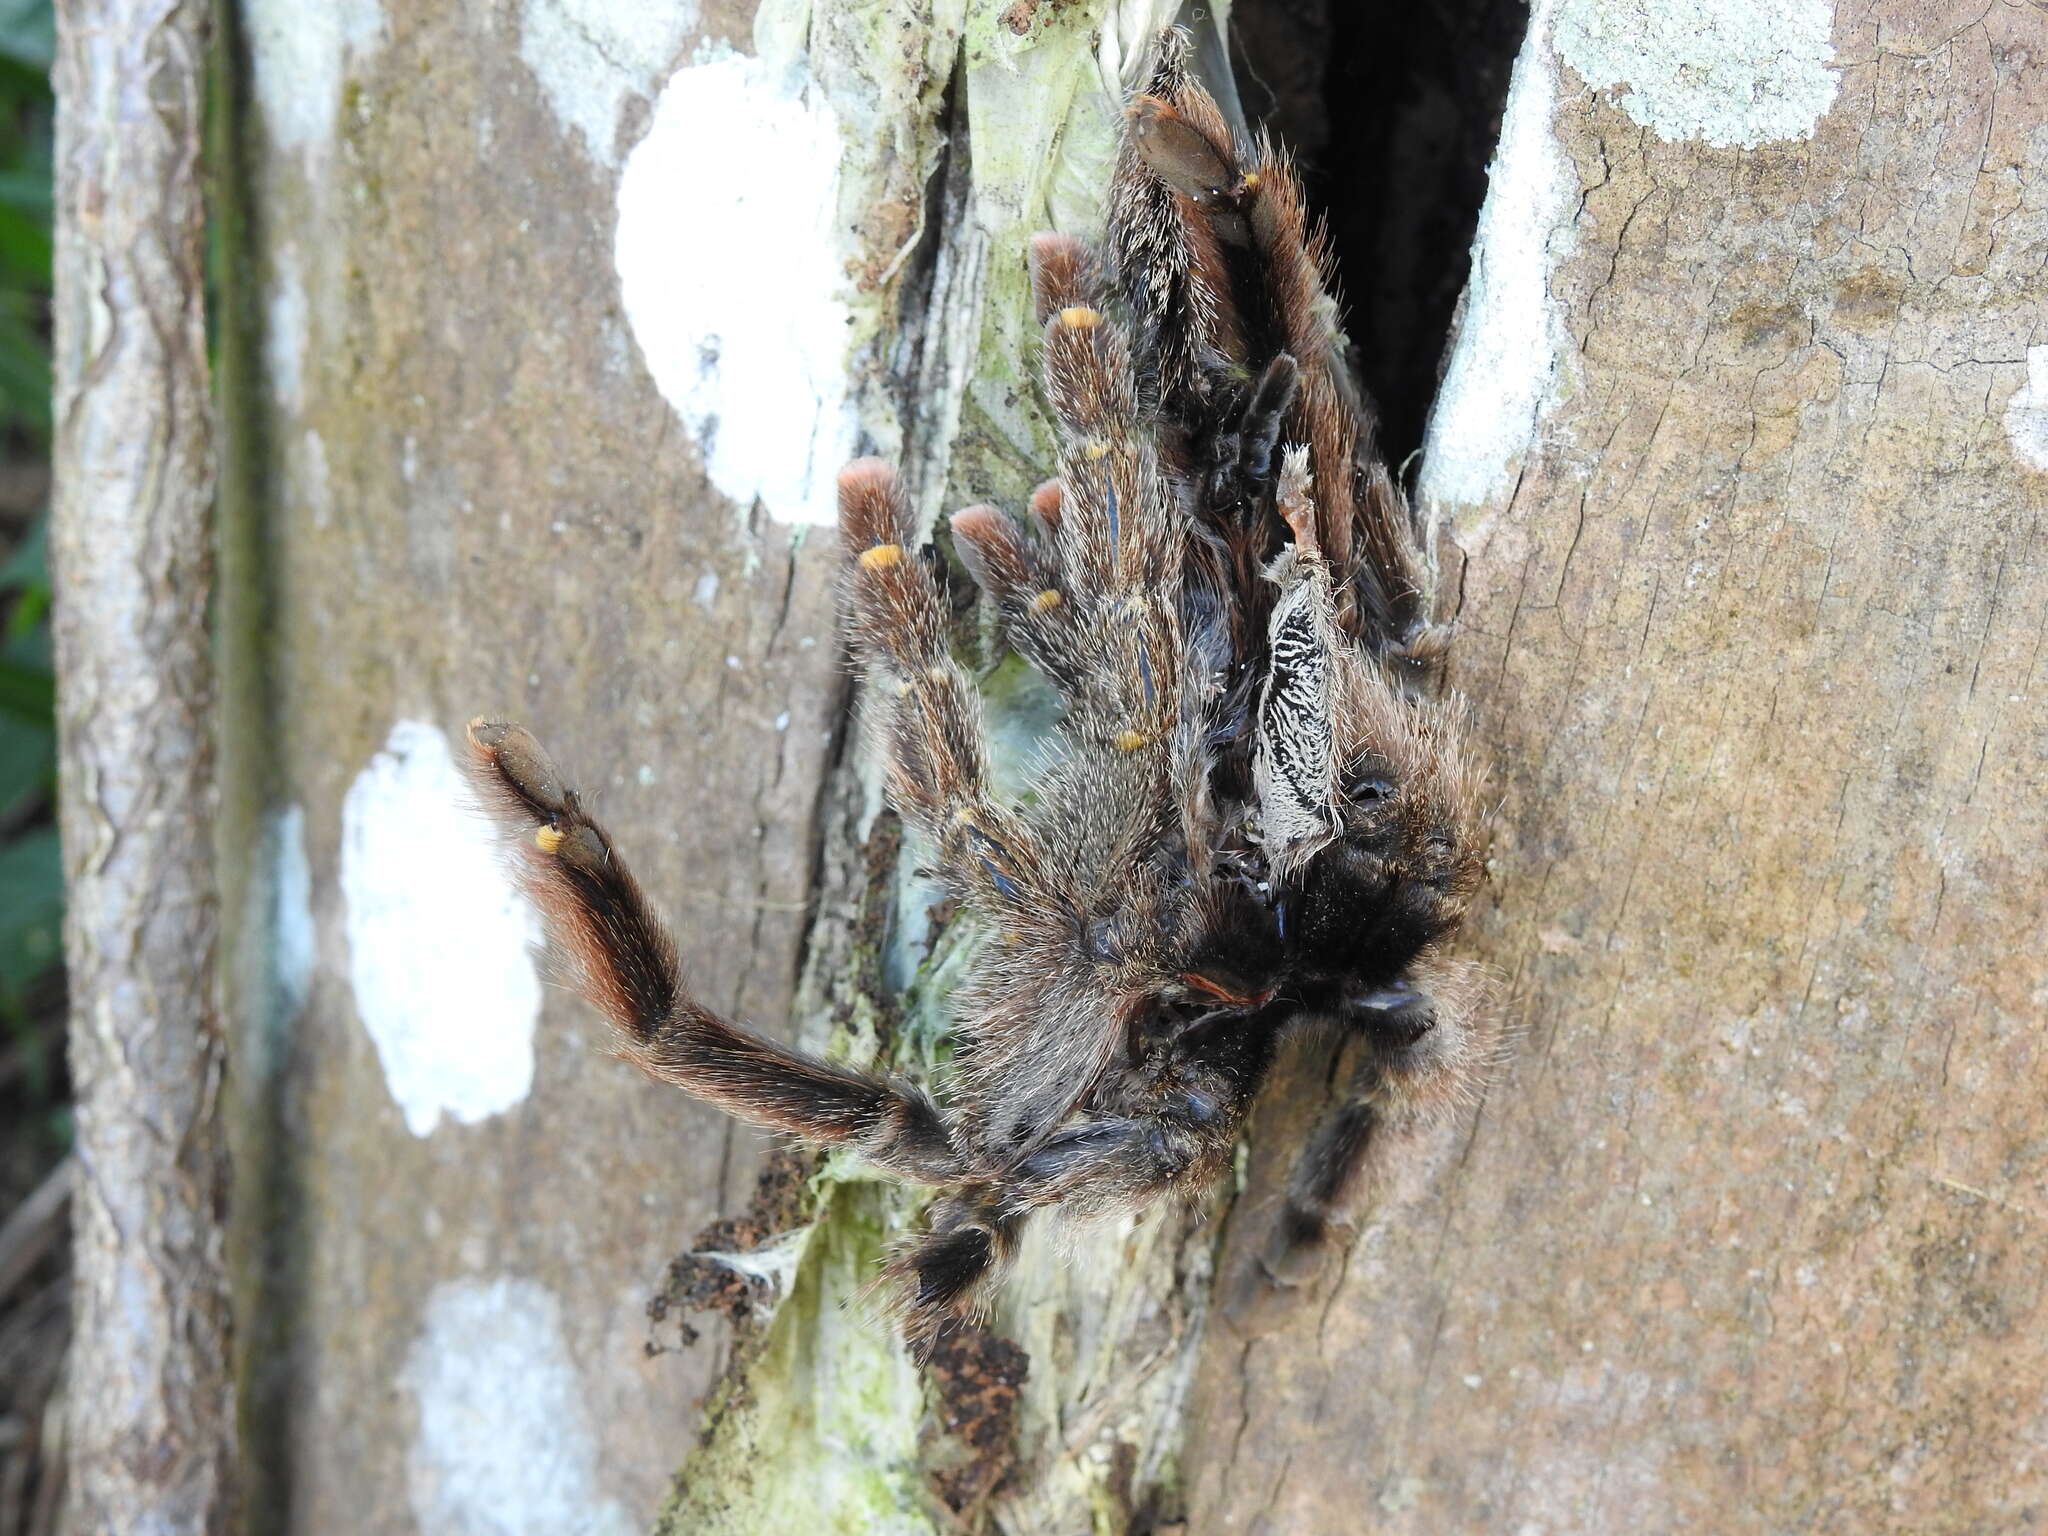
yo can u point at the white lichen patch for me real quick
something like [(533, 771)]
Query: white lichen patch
[(283, 945), (505, 1445), (592, 56), (2026, 413), (1726, 72), (730, 274), (1508, 365), (309, 466), (440, 943), (300, 55), (286, 328), (293, 947)]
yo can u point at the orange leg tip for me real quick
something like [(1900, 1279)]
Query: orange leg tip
[(1079, 317), (1129, 741), (1047, 245), (1045, 601), (863, 474), (1047, 501), (881, 557), (547, 839), (1094, 448), (975, 524)]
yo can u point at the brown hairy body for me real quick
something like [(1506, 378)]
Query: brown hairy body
[(1262, 816)]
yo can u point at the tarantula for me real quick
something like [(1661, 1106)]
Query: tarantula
[(1260, 815)]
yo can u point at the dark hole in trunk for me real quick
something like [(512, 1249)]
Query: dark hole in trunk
[(1393, 112)]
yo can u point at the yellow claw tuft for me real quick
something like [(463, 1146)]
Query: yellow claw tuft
[(1080, 317), (1094, 448), (1129, 741), (1046, 601), (881, 557), (547, 839)]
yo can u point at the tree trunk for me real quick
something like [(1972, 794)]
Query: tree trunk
[(151, 1401), (547, 331), (1739, 446)]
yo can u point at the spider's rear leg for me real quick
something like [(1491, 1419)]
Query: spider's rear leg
[(948, 1272), (1428, 1042), (1021, 584), (625, 964), (1118, 527)]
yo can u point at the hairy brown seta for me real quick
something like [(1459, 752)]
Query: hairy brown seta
[(1262, 814)]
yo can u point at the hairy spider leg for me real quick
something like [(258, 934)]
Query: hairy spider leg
[(1177, 1134), (625, 963), (1098, 612), (1076, 921), (1428, 1043), (1173, 222), (930, 719), (1017, 569), (1226, 274), (1324, 1185)]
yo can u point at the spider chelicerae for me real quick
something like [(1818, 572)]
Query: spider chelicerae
[(1263, 812)]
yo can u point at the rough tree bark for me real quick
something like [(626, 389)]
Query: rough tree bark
[(1733, 463), (151, 1401), (1746, 1236)]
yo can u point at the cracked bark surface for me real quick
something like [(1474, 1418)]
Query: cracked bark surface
[(1744, 1236), (150, 1437)]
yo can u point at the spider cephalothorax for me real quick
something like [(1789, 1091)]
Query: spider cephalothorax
[(1261, 814)]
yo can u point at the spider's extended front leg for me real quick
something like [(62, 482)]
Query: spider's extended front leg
[(1093, 601), (930, 717), (626, 965)]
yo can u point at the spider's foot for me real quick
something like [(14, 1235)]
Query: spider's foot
[(1265, 1289), (521, 765)]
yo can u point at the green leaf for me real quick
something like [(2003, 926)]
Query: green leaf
[(24, 248), (28, 33), (30, 649), (28, 761), (27, 693), (29, 565), (26, 621), (24, 373), (26, 189), (31, 910)]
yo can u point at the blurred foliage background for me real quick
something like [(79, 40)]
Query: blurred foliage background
[(31, 884), (35, 1127)]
